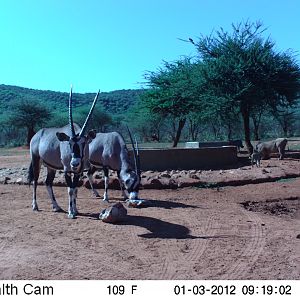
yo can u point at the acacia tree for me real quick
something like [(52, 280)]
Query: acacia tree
[(171, 93), (30, 115), (244, 68)]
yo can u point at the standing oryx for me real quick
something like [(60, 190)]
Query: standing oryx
[(266, 148), (65, 149), (109, 151)]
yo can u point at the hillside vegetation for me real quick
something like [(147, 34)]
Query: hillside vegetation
[(113, 102)]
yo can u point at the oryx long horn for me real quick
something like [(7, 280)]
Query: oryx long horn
[(70, 114), (89, 115), (134, 151)]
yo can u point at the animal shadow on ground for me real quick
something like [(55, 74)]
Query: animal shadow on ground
[(161, 229), (167, 204), (157, 228), (92, 216)]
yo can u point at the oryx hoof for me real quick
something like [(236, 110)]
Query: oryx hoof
[(71, 216), (35, 208), (57, 209)]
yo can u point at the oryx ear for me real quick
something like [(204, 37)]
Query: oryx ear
[(91, 134), (62, 137)]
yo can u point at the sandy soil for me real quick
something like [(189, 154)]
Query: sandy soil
[(251, 231)]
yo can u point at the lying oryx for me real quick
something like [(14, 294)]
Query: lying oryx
[(65, 149), (108, 151), (266, 148)]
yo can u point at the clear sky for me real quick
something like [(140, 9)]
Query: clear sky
[(110, 44)]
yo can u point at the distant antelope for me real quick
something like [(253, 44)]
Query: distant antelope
[(266, 148), (255, 158), (64, 148), (108, 151)]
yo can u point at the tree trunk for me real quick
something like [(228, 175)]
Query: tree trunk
[(229, 133), (30, 134), (285, 127), (246, 121), (256, 123), (192, 130), (181, 124), (214, 131), (256, 135)]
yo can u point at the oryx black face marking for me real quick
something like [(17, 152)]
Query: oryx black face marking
[(77, 146), (76, 150)]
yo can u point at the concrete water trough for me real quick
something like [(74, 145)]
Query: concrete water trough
[(187, 158)]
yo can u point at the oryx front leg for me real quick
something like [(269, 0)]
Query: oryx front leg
[(106, 181), (71, 211), (72, 193)]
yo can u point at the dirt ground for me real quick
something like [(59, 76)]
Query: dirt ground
[(250, 231)]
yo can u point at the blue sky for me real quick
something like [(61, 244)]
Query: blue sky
[(110, 44)]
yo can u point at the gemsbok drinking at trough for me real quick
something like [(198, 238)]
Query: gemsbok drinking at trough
[(108, 151), (66, 149)]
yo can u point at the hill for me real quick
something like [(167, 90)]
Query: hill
[(114, 102)]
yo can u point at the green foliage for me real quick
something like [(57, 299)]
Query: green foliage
[(242, 72), (113, 102), (172, 89), (108, 112), (173, 93), (28, 114), (99, 119), (144, 123)]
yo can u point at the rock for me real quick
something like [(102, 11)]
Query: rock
[(173, 184), (155, 183), (4, 180), (193, 171), (194, 176), (176, 176), (165, 175), (113, 214), (19, 181)]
